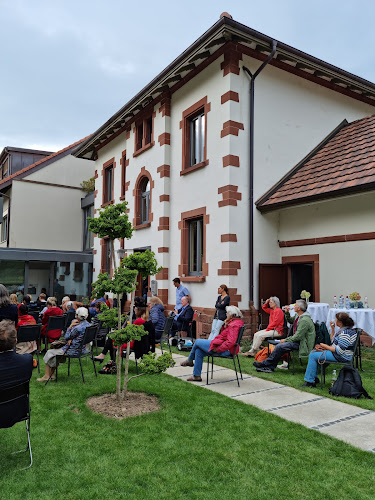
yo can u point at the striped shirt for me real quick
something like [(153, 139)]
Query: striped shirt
[(344, 341)]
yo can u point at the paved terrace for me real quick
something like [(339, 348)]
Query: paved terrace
[(342, 421)]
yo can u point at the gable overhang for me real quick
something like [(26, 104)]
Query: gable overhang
[(222, 35)]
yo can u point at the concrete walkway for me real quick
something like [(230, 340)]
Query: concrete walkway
[(348, 423)]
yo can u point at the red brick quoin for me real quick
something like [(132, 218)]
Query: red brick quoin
[(231, 161), (164, 171), (229, 268), (230, 195), (231, 127), (164, 138)]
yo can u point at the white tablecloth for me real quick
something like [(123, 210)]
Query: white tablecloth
[(318, 311), (363, 318)]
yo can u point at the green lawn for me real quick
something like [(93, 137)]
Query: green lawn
[(201, 445)]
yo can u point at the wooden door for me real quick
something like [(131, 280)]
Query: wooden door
[(273, 281)]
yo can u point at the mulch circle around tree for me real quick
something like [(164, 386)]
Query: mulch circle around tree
[(135, 403)]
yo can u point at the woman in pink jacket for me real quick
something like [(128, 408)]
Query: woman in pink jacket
[(274, 329), (222, 345)]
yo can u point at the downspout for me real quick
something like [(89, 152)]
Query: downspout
[(251, 188)]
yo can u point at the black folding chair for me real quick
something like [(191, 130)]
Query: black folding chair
[(348, 363), (15, 407), (88, 337), (35, 315), (54, 323), (69, 316), (100, 336), (29, 333), (358, 357), (229, 356), (166, 333)]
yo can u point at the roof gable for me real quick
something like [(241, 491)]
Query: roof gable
[(226, 34)]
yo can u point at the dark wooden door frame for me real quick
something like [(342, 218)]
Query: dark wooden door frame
[(304, 259)]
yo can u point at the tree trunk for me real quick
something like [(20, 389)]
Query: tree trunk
[(125, 386), (113, 256), (118, 354)]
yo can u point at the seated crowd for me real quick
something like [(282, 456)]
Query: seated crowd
[(222, 339)]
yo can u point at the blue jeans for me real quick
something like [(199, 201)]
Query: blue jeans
[(201, 348), (312, 365), (216, 327)]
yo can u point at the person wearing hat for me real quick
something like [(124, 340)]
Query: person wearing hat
[(74, 336)]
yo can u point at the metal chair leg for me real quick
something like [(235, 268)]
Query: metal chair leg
[(28, 447), (235, 367), (93, 362), (80, 364)]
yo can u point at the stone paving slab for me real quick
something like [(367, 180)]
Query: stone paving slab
[(348, 423), (248, 385), (358, 431), (319, 411), (274, 397)]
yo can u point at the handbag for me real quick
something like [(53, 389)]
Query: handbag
[(58, 344)]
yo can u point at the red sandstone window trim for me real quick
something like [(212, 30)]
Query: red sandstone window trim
[(183, 225), (110, 164), (144, 133), (124, 163), (200, 107), (137, 223)]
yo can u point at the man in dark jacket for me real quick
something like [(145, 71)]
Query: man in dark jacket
[(14, 368), (183, 317)]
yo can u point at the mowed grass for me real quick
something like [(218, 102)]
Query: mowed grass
[(200, 445)]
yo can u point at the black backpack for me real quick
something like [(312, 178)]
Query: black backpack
[(349, 384)]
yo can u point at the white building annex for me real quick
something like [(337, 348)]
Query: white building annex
[(44, 238), (179, 154)]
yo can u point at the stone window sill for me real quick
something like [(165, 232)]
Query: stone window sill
[(188, 170)]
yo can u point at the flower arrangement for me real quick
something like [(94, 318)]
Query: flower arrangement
[(305, 295), (354, 296)]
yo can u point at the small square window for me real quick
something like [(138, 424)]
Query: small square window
[(144, 134)]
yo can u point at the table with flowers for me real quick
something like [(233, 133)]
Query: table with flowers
[(363, 318), (318, 311)]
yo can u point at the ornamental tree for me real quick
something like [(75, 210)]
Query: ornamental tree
[(113, 223)]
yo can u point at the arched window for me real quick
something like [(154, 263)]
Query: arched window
[(142, 193), (145, 200)]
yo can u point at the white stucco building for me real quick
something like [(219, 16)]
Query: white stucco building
[(182, 155), (44, 239)]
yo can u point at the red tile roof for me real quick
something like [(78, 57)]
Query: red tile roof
[(43, 160), (343, 163)]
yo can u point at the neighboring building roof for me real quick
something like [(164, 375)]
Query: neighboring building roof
[(40, 164), (344, 163), (205, 50), (11, 149)]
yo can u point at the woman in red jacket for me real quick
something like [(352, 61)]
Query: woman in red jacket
[(52, 310), (222, 345), (274, 329)]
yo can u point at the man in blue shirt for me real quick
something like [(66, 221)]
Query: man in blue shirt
[(181, 291)]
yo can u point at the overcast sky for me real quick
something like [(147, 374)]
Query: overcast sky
[(67, 66)]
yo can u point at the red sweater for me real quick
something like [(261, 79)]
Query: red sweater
[(276, 321), (25, 319), (52, 334), (227, 338)]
